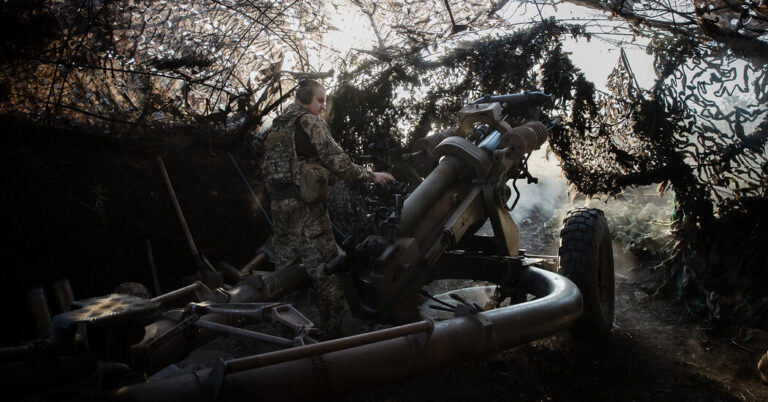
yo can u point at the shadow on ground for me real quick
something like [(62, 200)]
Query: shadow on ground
[(656, 353)]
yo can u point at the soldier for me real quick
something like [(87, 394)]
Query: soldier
[(299, 154)]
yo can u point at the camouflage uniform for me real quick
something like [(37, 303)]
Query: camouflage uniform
[(302, 231)]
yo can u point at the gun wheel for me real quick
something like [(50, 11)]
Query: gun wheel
[(586, 258)]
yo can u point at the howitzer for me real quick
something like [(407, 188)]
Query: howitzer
[(384, 274), (429, 234)]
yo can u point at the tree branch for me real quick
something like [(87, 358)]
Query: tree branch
[(743, 46)]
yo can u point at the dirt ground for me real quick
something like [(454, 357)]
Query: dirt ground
[(656, 352)]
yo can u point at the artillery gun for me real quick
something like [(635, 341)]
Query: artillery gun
[(431, 235), (106, 346)]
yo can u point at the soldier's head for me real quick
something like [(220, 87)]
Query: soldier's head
[(311, 95)]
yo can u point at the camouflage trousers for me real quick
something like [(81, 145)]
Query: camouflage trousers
[(303, 234)]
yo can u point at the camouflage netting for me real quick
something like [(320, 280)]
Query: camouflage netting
[(215, 71), (128, 68), (210, 69), (701, 131)]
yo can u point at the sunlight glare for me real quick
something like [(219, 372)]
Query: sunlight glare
[(354, 31)]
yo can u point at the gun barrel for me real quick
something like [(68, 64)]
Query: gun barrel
[(423, 199), (520, 100)]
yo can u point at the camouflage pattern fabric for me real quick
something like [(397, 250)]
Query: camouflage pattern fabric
[(302, 231), (280, 164), (303, 234), (329, 153)]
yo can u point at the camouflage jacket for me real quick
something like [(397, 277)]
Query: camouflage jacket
[(326, 151)]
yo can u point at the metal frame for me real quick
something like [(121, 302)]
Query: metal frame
[(310, 376)]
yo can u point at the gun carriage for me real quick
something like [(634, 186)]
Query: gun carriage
[(427, 235)]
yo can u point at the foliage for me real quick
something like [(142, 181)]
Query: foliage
[(700, 131), (217, 69), (372, 103), (122, 68)]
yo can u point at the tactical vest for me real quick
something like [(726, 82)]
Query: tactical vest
[(281, 168)]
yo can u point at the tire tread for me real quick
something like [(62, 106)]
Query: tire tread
[(583, 231)]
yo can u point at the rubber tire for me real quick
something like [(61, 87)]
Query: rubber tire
[(586, 258)]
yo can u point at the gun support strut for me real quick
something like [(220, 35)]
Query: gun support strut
[(339, 372)]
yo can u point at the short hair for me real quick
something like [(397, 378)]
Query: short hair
[(306, 90)]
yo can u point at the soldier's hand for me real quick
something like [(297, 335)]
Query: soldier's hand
[(382, 178)]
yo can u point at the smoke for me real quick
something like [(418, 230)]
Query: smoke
[(544, 199), (639, 220), (540, 208)]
